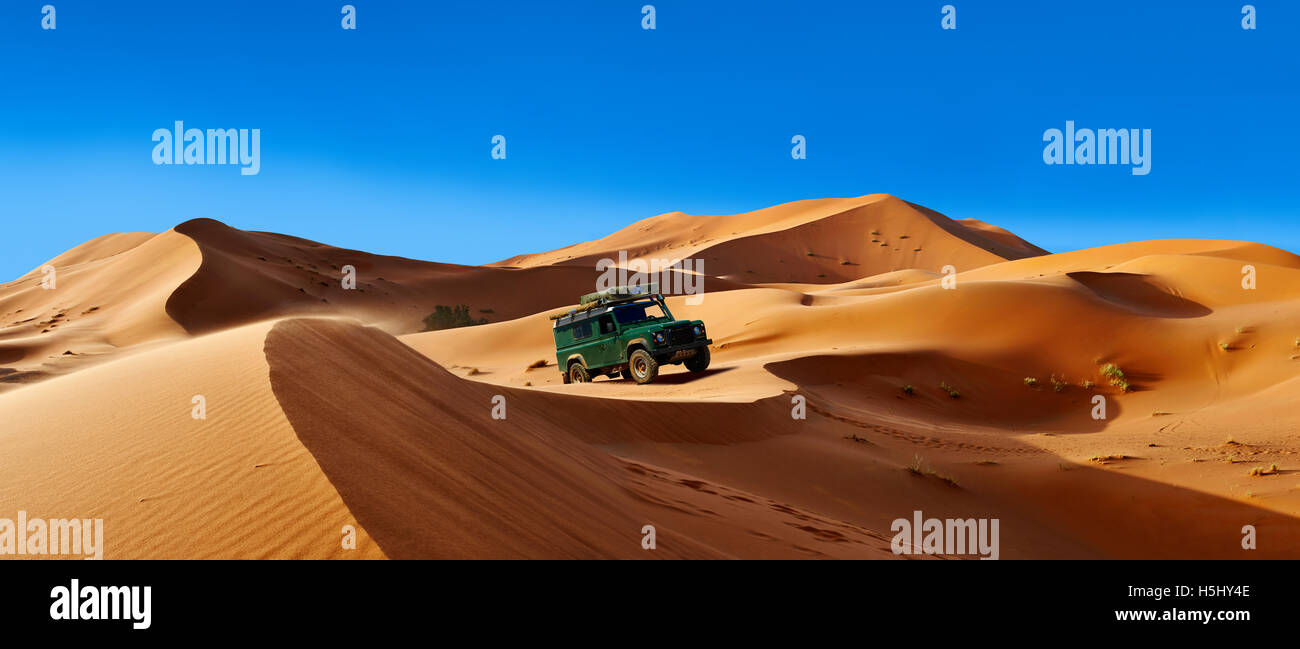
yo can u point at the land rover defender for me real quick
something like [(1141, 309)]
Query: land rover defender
[(628, 332)]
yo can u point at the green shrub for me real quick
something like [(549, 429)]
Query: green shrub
[(450, 317), (916, 467), (1116, 377)]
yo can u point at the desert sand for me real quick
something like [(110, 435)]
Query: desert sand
[(328, 407)]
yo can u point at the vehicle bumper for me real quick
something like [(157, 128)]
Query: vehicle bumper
[(676, 353)]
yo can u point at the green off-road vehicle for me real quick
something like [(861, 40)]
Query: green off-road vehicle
[(629, 332)]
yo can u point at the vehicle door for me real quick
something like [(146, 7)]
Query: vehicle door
[(604, 347)]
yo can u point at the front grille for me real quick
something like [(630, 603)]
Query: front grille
[(681, 335)]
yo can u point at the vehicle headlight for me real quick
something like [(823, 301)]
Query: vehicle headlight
[(659, 338), (699, 331)]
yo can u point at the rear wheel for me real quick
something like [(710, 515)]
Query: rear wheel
[(644, 366), (578, 373), (700, 361)]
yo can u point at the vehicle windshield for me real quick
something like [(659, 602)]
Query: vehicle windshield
[(638, 312)]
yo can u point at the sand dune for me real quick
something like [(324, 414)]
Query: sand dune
[(1160, 312), (237, 484), (319, 417), (248, 276), (816, 241), (123, 291), (316, 424), (1162, 317), (108, 294), (458, 483)]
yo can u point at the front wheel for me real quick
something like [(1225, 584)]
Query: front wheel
[(699, 362), (578, 374), (644, 366)]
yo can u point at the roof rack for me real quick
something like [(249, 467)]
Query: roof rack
[(610, 296)]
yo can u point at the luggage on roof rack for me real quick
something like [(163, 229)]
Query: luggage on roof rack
[(619, 294), (609, 296)]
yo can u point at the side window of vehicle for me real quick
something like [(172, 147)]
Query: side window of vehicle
[(581, 331), (607, 325)]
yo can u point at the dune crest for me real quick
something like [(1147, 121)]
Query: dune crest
[(418, 457), (119, 441)]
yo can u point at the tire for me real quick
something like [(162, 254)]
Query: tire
[(643, 366), (577, 373), (699, 362)]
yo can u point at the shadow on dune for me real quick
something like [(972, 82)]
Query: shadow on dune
[(11, 354), (986, 395), (11, 375), (1009, 247), (1138, 293), (1128, 517), (689, 377), (418, 459)]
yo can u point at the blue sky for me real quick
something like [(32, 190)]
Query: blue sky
[(380, 138)]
